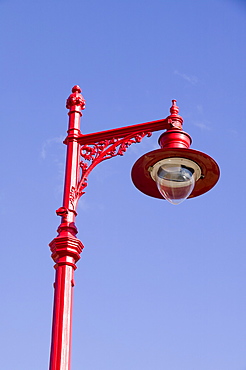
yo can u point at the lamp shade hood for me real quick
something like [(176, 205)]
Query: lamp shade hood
[(144, 180)]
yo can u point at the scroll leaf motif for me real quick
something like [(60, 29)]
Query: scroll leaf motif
[(73, 197)]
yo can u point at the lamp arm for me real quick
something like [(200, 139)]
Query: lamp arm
[(162, 124), (96, 147)]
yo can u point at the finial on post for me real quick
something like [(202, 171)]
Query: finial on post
[(75, 100)]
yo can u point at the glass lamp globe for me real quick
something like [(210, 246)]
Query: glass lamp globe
[(175, 178)]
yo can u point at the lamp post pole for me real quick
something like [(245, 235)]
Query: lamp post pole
[(66, 247), (84, 152)]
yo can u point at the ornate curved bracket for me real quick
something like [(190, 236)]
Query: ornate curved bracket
[(93, 154), (85, 151)]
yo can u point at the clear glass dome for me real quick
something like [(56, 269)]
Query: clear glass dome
[(175, 178), (175, 183)]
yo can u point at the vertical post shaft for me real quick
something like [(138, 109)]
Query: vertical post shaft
[(66, 247)]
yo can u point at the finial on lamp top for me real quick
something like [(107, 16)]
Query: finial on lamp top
[(76, 99), (174, 110), (176, 120)]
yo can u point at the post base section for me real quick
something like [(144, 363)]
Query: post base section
[(65, 252)]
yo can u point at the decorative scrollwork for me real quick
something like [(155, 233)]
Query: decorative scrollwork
[(73, 197), (95, 153)]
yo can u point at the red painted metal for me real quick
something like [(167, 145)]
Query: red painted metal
[(175, 139), (84, 152)]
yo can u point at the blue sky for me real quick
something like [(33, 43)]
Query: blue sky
[(158, 287)]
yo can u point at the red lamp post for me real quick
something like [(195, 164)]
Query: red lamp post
[(177, 171)]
